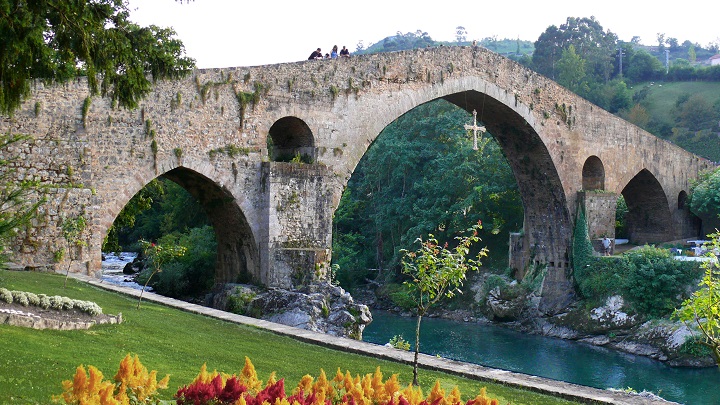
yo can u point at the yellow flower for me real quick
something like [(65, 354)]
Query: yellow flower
[(248, 376), (305, 384), (436, 393)]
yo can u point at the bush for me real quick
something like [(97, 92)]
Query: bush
[(398, 294), (602, 278), (656, 283), (190, 275), (6, 295)]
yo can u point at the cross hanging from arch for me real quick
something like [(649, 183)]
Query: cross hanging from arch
[(475, 128)]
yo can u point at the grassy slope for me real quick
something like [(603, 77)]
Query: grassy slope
[(34, 362), (660, 103)]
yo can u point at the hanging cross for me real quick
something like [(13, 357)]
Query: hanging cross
[(475, 128)]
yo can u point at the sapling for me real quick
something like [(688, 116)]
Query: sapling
[(157, 255), (437, 272), (72, 231)]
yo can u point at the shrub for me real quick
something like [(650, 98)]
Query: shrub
[(6, 295), (32, 298), (20, 298), (603, 277), (656, 283), (192, 274), (399, 342), (44, 301)]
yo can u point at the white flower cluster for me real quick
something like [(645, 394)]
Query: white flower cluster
[(6, 295), (48, 302)]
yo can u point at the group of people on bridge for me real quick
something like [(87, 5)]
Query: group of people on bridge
[(334, 54)]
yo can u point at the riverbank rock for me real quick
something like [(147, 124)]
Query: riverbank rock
[(320, 307), (611, 326)]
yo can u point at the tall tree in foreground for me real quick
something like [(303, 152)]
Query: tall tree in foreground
[(436, 272), (57, 40)]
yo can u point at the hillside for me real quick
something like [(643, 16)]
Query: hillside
[(660, 101)]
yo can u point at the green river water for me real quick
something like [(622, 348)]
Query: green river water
[(559, 359)]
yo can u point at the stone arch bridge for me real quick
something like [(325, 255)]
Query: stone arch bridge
[(219, 133)]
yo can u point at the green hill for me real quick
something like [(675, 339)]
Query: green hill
[(661, 102)]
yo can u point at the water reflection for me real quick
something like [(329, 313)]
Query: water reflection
[(558, 359)]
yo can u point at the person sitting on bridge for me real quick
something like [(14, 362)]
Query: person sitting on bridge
[(334, 52), (316, 55), (344, 53)]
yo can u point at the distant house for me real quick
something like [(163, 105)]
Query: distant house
[(715, 60)]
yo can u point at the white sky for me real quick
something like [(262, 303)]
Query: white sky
[(224, 33)]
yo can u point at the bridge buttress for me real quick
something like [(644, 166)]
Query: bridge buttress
[(297, 238)]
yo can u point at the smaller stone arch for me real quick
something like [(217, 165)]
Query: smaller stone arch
[(648, 219), (682, 200), (290, 137), (593, 174)]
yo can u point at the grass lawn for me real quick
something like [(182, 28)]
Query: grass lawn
[(34, 362), (662, 97)]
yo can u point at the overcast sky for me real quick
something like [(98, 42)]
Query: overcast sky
[(224, 33)]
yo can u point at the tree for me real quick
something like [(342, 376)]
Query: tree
[(695, 113), (438, 272), (639, 116), (571, 71), (661, 42), (394, 194), (593, 44), (158, 254), (72, 231), (703, 308), (692, 55), (642, 66), (57, 40), (704, 198)]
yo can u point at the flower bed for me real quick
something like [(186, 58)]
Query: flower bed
[(134, 384), (40, 311)]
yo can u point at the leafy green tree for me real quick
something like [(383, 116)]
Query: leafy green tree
[(571, 71), (655, 282), (692, 55), (393, 195), (57, 40), (638, 115), (703, 308), (436, 272), (158, 255), (704, 198), (190, 275), (161, 207), (72, 231), (592, 43), (696, 113), (642, 66)]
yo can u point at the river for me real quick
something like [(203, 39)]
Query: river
[(579, 363), (112, 270)]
